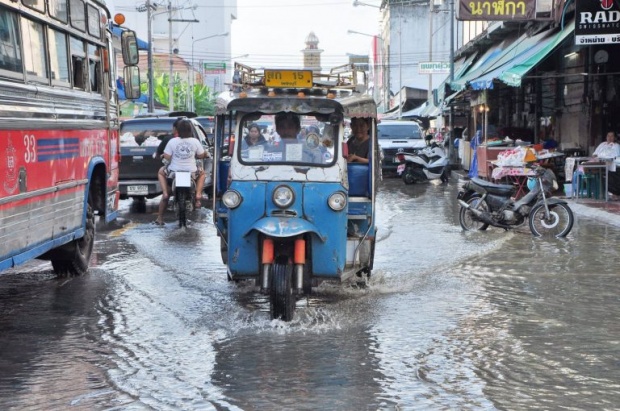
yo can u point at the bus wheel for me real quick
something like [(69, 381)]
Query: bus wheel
[(72, 260), (282, 301)]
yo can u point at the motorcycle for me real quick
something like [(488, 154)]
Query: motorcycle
[(184, 192), (485, 204), (429, 163)]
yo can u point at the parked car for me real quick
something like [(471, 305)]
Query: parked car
[(140, 138), (398, 135), (208, 124)]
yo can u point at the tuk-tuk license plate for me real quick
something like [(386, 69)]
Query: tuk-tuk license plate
[(288, 78), (400, 168), (139, 190)]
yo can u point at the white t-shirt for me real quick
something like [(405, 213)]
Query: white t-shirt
[(607, 150), (183, 153)]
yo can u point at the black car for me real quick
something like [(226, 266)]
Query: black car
[(139, 140)]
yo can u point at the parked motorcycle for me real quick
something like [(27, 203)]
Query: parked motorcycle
[(484, 203), (429, 163)]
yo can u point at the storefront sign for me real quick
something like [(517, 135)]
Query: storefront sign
[(214, 68), (434, 67), (501, 10), (598, 22)]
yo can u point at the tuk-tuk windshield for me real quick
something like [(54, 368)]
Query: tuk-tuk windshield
[(287, 138)]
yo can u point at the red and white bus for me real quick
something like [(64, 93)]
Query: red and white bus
[(59, 123)]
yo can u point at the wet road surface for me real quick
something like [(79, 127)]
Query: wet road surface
[(452, 320)]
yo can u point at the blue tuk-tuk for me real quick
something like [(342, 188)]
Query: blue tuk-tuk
[(289, 210)]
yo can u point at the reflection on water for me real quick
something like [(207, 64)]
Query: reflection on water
[(452, 320)]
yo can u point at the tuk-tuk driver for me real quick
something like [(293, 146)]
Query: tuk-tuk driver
[(288, 126)]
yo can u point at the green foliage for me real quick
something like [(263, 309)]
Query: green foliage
[(204, 99)]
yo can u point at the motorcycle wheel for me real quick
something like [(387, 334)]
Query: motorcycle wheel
[(408, 176), (282, 300), (468, 219), (181, 197), (559, 223)]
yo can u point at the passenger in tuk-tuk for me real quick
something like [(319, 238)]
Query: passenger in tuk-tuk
[(358, 144), (253, 138)]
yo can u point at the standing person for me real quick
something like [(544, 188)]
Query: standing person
[(182, 152), (358, 144), (608, 148)]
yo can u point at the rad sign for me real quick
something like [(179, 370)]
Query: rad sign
[(597, 22)]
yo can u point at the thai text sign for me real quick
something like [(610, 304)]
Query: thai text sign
[(214, 68), (434, 67), (597, 22), (502, 10)]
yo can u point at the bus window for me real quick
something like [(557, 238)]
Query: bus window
[(58, 9), (34, 53), (94, 27), (10, 49), (78, 14), (78, 58), (38, 5), (94, 69), (58, 57)]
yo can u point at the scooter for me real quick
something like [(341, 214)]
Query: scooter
[(429, 163)]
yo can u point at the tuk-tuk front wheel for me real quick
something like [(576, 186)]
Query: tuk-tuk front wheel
[(282, 298)]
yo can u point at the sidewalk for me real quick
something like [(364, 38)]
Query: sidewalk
[(605, 211)]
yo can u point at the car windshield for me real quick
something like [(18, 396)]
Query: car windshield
[(401, 131), (292, 139)]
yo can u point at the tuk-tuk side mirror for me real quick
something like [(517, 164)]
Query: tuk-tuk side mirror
[(131, 75), (129, 46)]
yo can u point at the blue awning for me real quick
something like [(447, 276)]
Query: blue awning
[(489, 56), (515, 59), (142, 45)]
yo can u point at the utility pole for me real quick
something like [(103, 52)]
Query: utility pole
[(170, 83), (452, 154), (149, 17)]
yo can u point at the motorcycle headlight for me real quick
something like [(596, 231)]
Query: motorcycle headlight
[(337, 201), (283, 196), (231, 199)]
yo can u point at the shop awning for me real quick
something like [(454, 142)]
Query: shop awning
[(479, 67), (519, 69), (516, 59)]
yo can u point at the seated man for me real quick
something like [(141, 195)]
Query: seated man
[(290, 148)]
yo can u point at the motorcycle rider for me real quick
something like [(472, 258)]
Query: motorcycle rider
[(181, 152)]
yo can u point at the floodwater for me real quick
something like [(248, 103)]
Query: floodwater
[(452, 320)]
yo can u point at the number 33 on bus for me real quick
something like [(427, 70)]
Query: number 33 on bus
[(59, 148)]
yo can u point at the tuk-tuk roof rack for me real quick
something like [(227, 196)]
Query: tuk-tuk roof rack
[(344, 77)]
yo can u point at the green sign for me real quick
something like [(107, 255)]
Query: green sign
[(214, 68)]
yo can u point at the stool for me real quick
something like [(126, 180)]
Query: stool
[(589, 184)]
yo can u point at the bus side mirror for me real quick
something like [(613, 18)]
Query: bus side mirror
[(129, 45), (132, 82)]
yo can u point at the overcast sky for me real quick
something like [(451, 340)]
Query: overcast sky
[(273, 32)]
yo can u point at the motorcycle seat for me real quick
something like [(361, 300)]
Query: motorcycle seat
[(492, 188)]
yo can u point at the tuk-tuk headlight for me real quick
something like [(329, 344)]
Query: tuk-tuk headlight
[(283, 196), (337, 201), (231, 199)]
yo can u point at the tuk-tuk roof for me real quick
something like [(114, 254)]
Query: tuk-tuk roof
[(337, 91)]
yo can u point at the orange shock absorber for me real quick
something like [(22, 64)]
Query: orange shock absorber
[(300, 251), (267, 251)]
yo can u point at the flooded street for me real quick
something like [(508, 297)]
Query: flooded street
[(452, 320)]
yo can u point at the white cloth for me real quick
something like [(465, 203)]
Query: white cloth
[(183, 153)]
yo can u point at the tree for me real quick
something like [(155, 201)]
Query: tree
[(204, 99)]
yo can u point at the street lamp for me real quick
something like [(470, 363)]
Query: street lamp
[(192, 76), (359, 3), (375, 66)]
